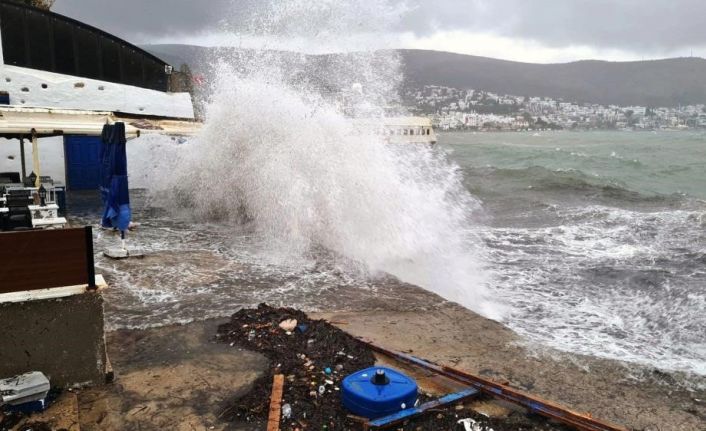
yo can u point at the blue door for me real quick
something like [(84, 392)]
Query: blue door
[(82, 162)]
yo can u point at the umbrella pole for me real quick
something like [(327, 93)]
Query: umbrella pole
[(122, 239), (22, 158), (35, 159)]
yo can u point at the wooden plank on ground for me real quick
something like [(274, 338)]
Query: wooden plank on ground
[(275, 403), (51, 293)]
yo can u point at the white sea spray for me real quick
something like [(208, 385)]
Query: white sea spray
[(280, 153)]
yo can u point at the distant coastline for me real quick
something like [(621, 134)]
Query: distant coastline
[(574, 130), (462, 91), (452, 108)]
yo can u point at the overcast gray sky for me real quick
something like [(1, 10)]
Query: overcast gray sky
[(536, 30)]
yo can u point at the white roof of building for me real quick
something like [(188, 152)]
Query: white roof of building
[(397, 121), (49, 122), (37, 88)]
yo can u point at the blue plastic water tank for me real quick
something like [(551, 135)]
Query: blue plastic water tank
[(378, 391)]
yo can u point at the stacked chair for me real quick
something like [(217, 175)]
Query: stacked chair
[(18, 217)]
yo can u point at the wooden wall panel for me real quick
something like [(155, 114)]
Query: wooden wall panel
[(41, 259)]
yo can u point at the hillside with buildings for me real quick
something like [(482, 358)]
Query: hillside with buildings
[(467, 92), (458, 109), (669, 82)]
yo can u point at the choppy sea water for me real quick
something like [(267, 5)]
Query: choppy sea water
[(597, 240), (596, 243)]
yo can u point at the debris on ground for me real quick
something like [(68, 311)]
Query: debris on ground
[(288, 325), (26, 392), (19, 419), (314, 357), (302, 357)]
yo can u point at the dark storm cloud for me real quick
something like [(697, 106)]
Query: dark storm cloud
[(142, 20), (635, 25), (627, 24)]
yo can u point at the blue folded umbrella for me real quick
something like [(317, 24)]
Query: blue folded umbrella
[(114, 185)]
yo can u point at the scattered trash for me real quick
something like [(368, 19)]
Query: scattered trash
[(315, 397), (286, 411), (27, 408), (21, 396), (302, 327), (288, 325), (303, 355), (327, 371), (471, 425)]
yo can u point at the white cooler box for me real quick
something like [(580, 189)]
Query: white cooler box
[(24, 388)]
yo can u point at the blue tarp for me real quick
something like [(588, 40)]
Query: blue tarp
[(114, 187)]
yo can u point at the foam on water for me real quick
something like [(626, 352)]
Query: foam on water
[(614, 283), (282, 199), (282, 158), (597, 240)]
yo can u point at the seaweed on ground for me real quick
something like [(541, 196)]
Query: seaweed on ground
[(314, 357), (302, 356)]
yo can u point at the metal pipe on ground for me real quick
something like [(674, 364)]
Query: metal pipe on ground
[(406, 414), (582, 422)]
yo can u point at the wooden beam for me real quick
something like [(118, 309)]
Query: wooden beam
[(275, 403), (52, 293)]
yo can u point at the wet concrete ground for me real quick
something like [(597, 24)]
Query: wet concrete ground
[(202, 270), (175, 377), (626, 394), (178, 378), (171, 378)]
